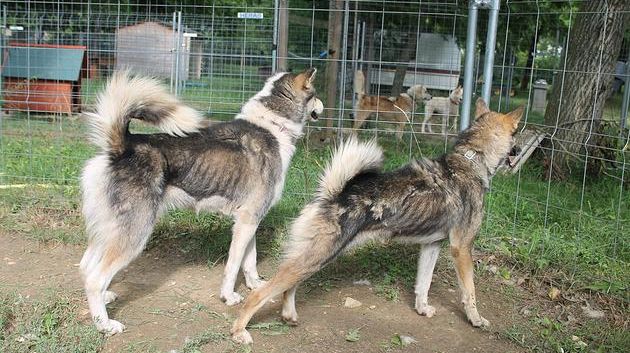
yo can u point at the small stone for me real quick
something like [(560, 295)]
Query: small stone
[(593, 313), (372, 307), (362, 282), (351, 303), (407, 340), (493, 269), (554, 293), (525, 311)]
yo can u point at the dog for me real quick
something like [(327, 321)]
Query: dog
[(446, 107), (396, 109), (425, 202), (237, 168)]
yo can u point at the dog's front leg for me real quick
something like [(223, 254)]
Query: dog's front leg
[(464, 267), (426, 263), (243, 232)]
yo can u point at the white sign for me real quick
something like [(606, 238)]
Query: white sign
[(251, 15), (192, 35), (16, 28)]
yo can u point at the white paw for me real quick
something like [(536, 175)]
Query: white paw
[(231, 298), (254, 283), (290, 319), (425, 310), (242, 337), (480, 322), (109, 296), (109, 327)]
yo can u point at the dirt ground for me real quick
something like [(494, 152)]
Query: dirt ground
[(166, 298)]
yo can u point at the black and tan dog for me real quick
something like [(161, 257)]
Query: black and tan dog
[(423, 202)]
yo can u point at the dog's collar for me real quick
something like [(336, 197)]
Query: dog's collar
[(471, 156), (454, 102), (280, 126)]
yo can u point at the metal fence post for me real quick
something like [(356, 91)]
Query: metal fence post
[(491, 39), (274, 46), (469, 65), (625, 103)]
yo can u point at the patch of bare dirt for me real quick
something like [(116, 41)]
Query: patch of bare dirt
[(166, 298)]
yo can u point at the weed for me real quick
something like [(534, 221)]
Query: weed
[(353, 335), (271, 328)]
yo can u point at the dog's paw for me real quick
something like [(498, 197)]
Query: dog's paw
[(480, 322), (231, 298), (242, 337), (254, 283), (110, 327), (425, 310), (109, 296), (290, 318)]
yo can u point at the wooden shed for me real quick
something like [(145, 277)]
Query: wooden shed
[(43, 77), (149, 48)]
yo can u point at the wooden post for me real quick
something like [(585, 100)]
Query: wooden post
[(332, 64), (283, 35)]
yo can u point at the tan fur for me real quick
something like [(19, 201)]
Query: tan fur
[(446, 108), (393, 109)]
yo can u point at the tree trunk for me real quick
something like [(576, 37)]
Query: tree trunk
[(578, 96), (332, 63), (406, 53), (528, 65)]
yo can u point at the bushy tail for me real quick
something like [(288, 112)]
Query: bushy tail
[(125, 98), (351, 158)]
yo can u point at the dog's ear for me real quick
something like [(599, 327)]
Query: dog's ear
[(514, 116), (481, 108), (306, 77)]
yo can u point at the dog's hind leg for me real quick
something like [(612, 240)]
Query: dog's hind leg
[(100, 264), (243, 232), (252, 279), (289, 314), (426, 263), (288, 277), (462, 257)]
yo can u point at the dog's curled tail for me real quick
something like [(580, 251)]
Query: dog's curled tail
[(350, 159), (125, 98)]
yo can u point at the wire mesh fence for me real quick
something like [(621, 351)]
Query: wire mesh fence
[(57, 55)]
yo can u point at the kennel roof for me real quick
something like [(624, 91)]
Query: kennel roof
[(44, 61)]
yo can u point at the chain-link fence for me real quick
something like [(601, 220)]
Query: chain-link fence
[(564, 215)]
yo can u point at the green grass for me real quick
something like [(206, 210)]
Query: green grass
[(49, 324)]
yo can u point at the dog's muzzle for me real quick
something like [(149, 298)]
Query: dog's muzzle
[(318, 108)]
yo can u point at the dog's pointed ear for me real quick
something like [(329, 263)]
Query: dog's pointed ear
[(306, 77), (481, 108), (514, 116)]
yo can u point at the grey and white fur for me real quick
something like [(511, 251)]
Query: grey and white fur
[(236, 168)]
